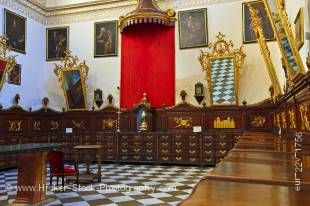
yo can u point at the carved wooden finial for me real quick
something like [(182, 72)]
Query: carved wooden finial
[(183, 95), (45, 102), (16, 99), (110, 99)]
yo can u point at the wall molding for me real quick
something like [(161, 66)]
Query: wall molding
[(92, 11)]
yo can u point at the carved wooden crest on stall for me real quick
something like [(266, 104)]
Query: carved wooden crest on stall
[(7, 63), (222, 64), (72, 75)]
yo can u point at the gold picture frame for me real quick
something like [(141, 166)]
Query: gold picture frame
[(55, 38), (299, 29), (248, 35), (109, 47), (15, 25), (284, 35), (222, 65), (198, 36), (72, 77)]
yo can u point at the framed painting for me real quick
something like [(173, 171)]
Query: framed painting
[(248, 33), (193, 28), (15, 30), (74, 89), (57, 42), (223, 81), (106, 39), (299, 28), (14, 76)]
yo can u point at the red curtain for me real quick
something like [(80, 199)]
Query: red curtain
[(148, 65)]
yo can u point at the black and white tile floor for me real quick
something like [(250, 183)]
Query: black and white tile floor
[(127, 185)]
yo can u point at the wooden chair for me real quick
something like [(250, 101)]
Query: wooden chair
[(57, 168)]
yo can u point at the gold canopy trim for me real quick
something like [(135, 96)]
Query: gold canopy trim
[(147, 11)]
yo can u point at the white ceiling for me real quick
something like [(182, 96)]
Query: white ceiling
[(54, 3)]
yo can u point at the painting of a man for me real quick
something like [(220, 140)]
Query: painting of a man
[(57, 43), (15, 30), (193, 28), (299, 29), (248, 33), (105, 39)]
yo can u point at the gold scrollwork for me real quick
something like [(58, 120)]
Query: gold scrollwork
[(304, 116), (225, 123), (54, 125), (78, 125), (278, 120), (15, 126), (10, 61), (71, 63), (259, 121), (183, 122), (284, 122), (292, 118), (109, 123), (37, 125)]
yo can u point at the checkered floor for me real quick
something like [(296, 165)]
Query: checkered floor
[(127, 185)]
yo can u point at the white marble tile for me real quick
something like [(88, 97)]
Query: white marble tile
[(150, 201)]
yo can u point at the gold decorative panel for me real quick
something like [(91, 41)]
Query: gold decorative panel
[(258, 121), (183, 122), (284, 122), (15, 126), (109, 124), (292, 118), (225, 123), (304, 117)]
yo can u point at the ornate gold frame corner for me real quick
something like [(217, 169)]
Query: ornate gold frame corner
[(300, 15), (10, 60), (282, 28), (221, 49), (70, 63)]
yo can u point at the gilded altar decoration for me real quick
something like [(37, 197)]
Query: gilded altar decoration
[(7, 63), (257, 27), (109, 124), (228, 123), (304, 116), (183, 122), (280, 23), (283, 117), (15, 126), (259, 121), (72, 75), (222, 64), (37, 125), (147, 11), (55, 125), (78, 125), (292, 117)]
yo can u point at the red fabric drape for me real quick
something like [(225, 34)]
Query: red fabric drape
[(148, 65)]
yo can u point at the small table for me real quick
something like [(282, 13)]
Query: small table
[(88, 176), (31, 171)]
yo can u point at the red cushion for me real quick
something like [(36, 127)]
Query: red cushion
[(69, 170)]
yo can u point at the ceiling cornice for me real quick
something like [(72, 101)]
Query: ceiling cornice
[(37, 10)]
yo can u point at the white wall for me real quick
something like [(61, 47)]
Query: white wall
[(33, 66), (39, 80)]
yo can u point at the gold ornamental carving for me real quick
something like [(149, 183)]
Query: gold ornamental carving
[(15, 126), (278, 120), (259, 121), (256, 24), (78, 124), (109, 123), (183, 122), (8, 62), (284, 122), (54, 125), (304, 116), (292, 117), (37, 125), (228, 123)]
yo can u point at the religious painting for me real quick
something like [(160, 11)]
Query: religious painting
[(248, 33), (106, 39), (299, 28), (223, 82), (193, 31), (57, 42), (15, 30), (15, 75), (74, 90)]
